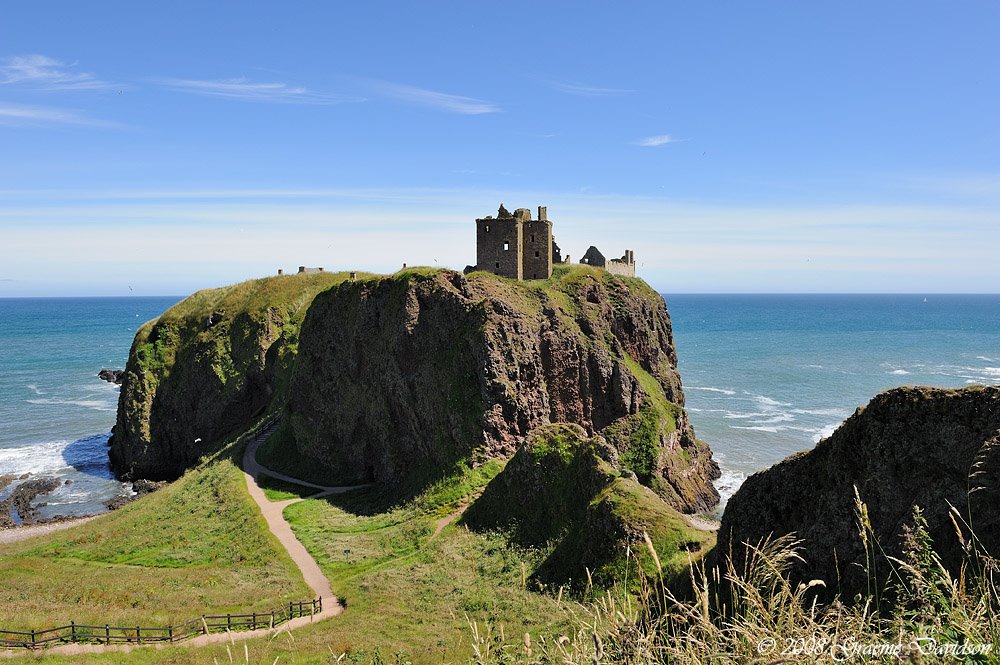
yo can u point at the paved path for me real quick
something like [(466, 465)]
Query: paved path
[(272, 512)]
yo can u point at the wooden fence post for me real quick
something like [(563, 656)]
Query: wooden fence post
[(107, 634), (229, 620), (138, 635), (170, 633), (72, 631), (32, 638)]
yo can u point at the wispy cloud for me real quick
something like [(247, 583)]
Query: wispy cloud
[(656, 141), (47, 73), (20, 116), (250, 91), (438, 100), (584, 90)]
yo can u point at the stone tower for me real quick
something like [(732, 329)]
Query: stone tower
[(515, 245)]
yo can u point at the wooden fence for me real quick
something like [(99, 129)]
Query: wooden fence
[(207, 623)]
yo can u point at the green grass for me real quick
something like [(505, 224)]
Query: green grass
[(196, 546), (281, 490), (407, 593)]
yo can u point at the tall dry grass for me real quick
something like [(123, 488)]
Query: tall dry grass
[(754, 613)]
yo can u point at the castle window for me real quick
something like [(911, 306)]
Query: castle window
[(506, 247), (487, 228), (533, 240), (498, 265), (536, 253)]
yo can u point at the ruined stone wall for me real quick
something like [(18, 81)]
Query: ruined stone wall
[(499, 246), (618, 268), (537, 249)]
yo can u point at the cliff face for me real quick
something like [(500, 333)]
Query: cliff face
[(399, 378), (923, 447), (205, 369)]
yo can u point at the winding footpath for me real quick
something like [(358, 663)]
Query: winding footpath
[(282, 530)]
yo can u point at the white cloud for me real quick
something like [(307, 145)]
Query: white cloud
[(437, 100), (656, 141), (584, 90), (19, 116), (47, 73), (250, 91)]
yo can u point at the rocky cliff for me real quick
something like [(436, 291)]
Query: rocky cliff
[(926, 447), (204, 369), (397, 379)]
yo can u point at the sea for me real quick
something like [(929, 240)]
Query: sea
[(764, 375), (55, 414)]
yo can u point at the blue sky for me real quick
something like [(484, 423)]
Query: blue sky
[(736, 147)]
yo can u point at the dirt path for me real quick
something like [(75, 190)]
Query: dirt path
[(273, 515), (282, 530), (25, 532), (445, 521)]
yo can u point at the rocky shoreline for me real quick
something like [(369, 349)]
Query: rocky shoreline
[(20, 508)]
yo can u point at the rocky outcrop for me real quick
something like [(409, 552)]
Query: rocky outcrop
[(926, 447), (21, 502), (398, 379), (111, 375), (204, 370), (140, 488), (563, 491)]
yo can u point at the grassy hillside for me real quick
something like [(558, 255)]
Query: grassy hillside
[(196, 546), (407, 591)]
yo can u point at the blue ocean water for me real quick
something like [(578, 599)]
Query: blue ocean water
[(765, 376), (55, 414), (769, 375)]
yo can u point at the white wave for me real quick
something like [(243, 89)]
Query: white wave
[(825, 432), (727, 484), (35, 458), (823, 412), (724, 391), (775, 418), (989, 360), (991, 371), (692, 409), (736, 415), (57, 457), (96, 404), (814, 366), (899, 372), (767, 401), (760, 428), (35, 389)]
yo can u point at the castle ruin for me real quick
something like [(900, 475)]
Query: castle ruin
[(519, 247), (516, 246), (623, 266)]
